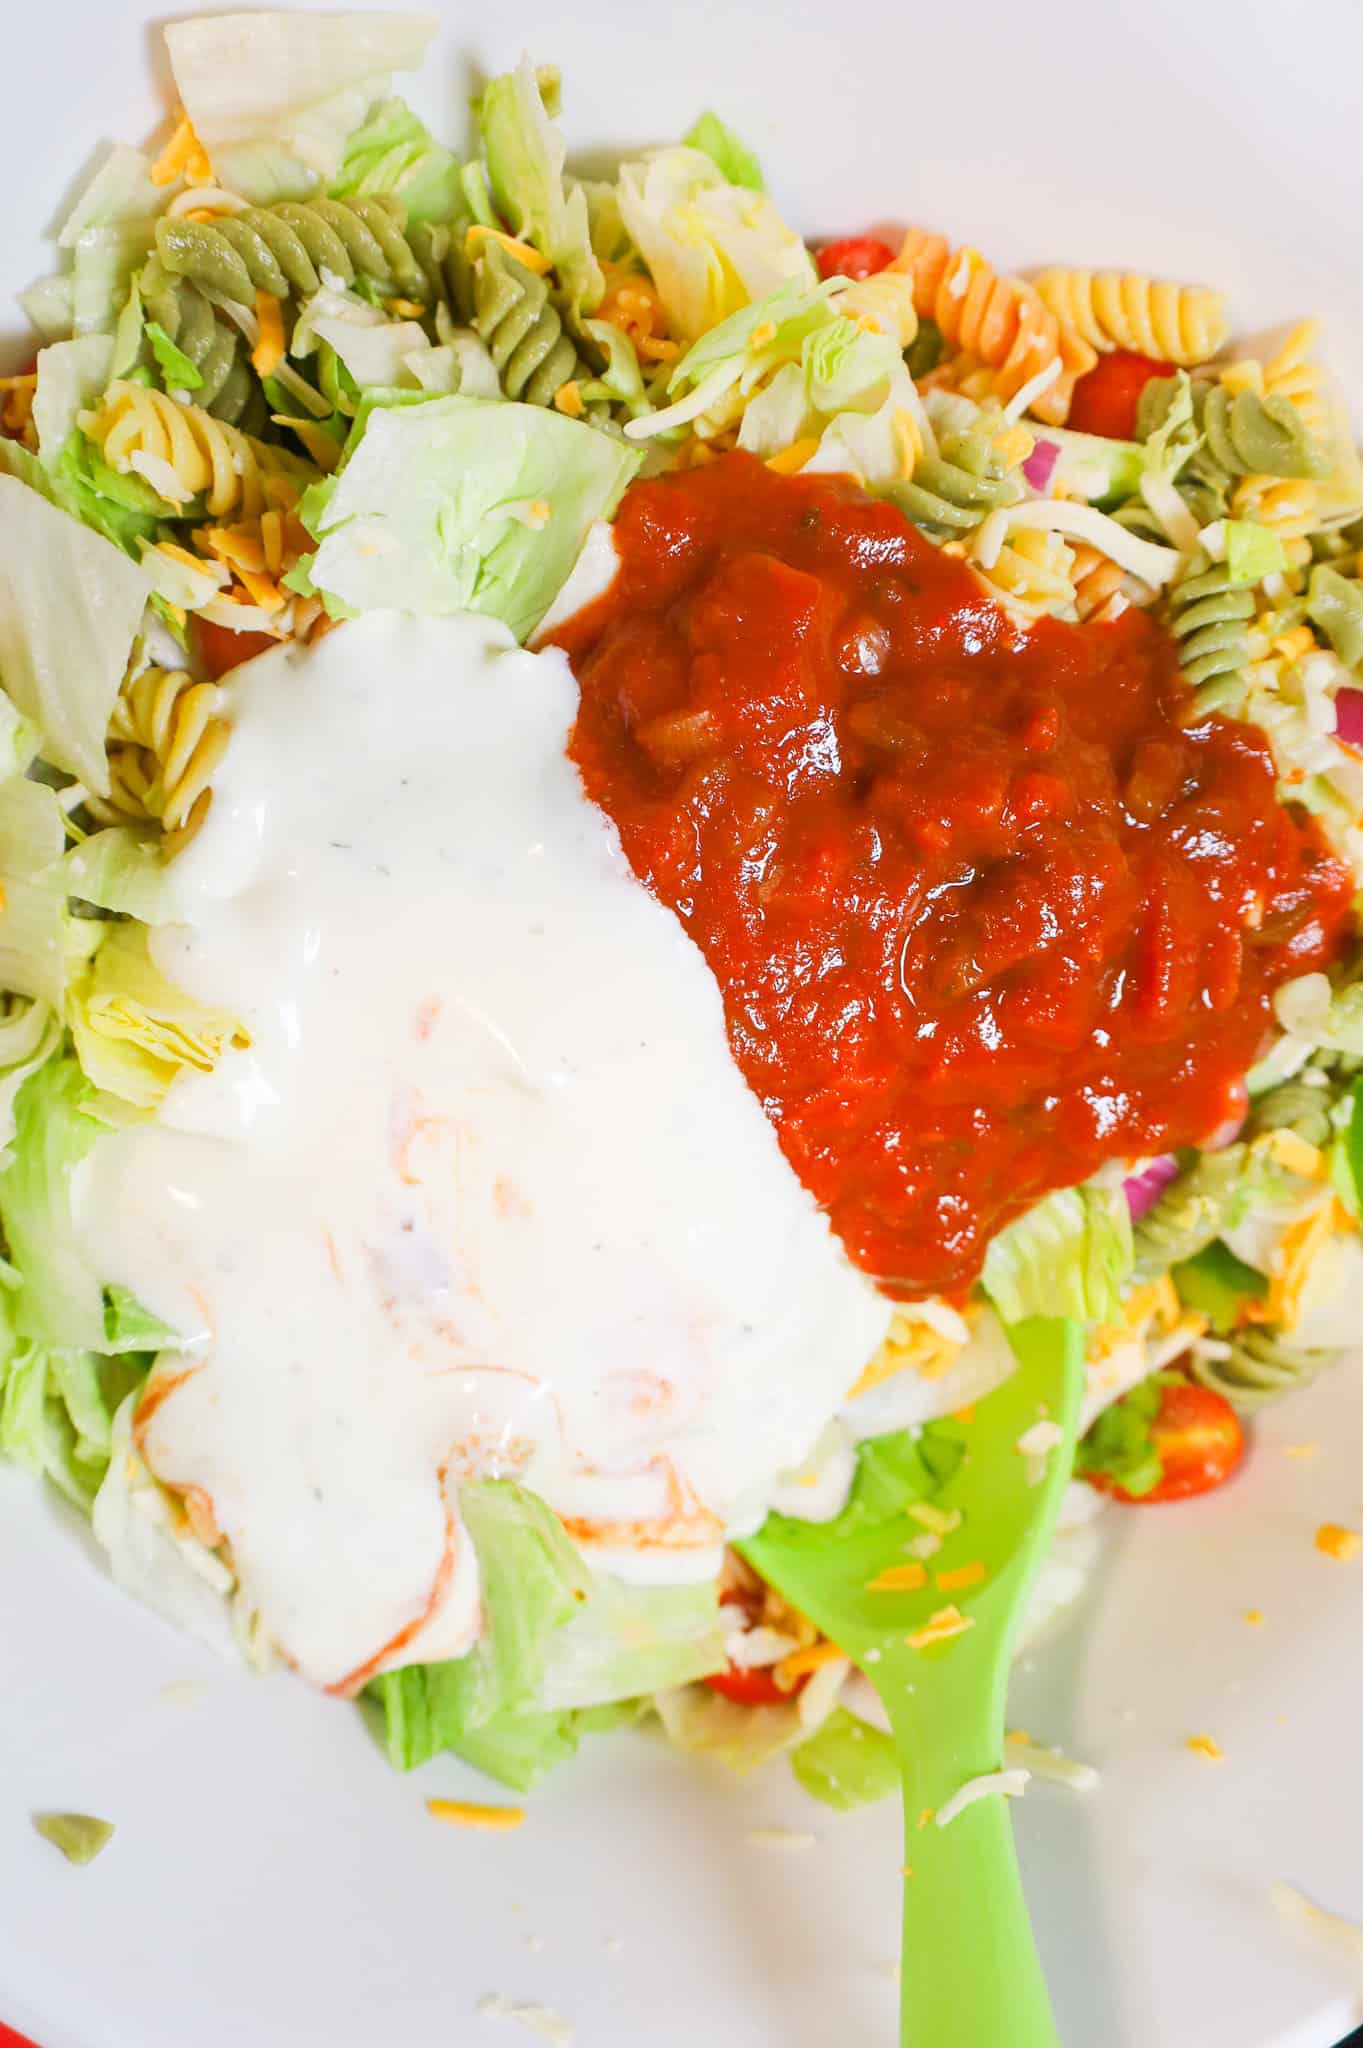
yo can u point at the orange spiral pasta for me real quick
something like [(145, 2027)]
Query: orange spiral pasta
[(999, 321), (1097, 581), (1175, 323)]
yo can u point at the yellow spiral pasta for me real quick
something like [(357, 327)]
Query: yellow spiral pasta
[(1297, 506), (166, 738), (999, 321), (184, 453), (883, 304), (1176, 323)]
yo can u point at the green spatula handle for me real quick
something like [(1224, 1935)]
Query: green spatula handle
[(972, 1978)]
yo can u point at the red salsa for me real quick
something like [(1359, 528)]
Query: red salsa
[(984, 910)]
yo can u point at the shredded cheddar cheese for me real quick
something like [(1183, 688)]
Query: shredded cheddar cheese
[(945, 1623), (795, 457), (462, 1813), (522, 251), (269, 350), (1207, 1746), (801, 1663), (899, 1578), (1341, 1544), (962, 1576), (1255, 1617), (184, 156), (568, 399)]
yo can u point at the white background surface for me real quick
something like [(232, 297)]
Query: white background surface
[(270, 1880)]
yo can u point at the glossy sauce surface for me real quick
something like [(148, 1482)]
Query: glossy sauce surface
[(985, 912)]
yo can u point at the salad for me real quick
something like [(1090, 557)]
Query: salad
[(622, 840)]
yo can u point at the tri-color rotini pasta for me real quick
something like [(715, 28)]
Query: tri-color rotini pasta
[(335, 374)]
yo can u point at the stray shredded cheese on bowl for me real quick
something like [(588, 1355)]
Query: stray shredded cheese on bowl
[(461, 1813)]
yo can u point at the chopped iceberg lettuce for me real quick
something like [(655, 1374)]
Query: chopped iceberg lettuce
[(525, 155), (71, 376), (34, 953), (274, 97), (58, 1301), (715, 139), (463, 504), (117, 870), (70, 605), (395, 152), (629, 1640), (1068, 1256), (711, 246), (847, 1762), (133, 1030)]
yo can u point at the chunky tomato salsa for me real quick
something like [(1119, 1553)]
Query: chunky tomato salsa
[(987, 907)]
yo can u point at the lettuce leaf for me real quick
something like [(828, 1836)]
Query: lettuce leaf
[(30, 1033), (1323, 1016), (847, 1762), (152, 1552), (116, 870), (1121, 1446), (711, 246), (70, 605), (533, 1581), (699, 1720), (737, 356), (58, 1301), (133, 1030), (274, 97), (1068, 1256), (525, 156), (628, 1640), (121, 192), (33, 921), (71, 376), (395, 152), (732, 158), (1252, 551), (463, 504), (1217, 1285)]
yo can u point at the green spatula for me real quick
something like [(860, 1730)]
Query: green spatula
[(971, 1977)]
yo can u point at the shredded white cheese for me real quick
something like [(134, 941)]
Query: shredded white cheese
[(536, 2019), (1028, 393), (1342, 1934), (780, 1838), (1011, 1783), (1143, 558), (1050, 1766), (1171, 512)]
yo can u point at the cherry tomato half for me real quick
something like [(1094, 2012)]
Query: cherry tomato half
[(220, 648), (1105, 400), (752, 1688), (1200, 1442), (854, 256)]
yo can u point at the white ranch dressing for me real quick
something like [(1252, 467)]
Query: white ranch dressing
[(486, 1196)]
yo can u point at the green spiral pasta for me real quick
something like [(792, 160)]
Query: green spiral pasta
[(227, 387), (952, 492), (1334, 603), (1195, 1209), (283, 249), (1243, 434), (1305, 1104), (525, 336), (1208, 616), (1263, 1365)]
